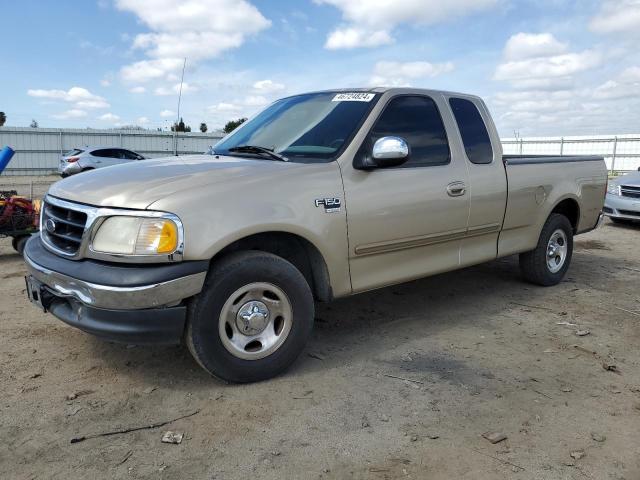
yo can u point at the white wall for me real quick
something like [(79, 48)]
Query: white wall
[(38, 150), (626, 148)]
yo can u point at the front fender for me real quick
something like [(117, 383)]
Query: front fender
[(216, 216)]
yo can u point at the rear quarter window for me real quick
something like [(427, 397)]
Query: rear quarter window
[(475, 137)]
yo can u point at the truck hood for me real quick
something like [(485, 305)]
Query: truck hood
[(138, 185)]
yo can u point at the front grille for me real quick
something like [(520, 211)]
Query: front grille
[(62, 227), (629, 213), (630, 191)]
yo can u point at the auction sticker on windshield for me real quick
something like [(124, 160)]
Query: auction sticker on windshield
[(353, 97)]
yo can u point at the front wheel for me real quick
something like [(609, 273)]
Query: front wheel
[(252, 318), (547, 264)]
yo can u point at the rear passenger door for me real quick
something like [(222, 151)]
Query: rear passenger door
[(406, 222), (487, 179), (106, 157)]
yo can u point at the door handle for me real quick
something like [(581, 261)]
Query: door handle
[(456, 189)]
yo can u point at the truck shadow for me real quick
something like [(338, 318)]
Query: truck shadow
[(365, 326)]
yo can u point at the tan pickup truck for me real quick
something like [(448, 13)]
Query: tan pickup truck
[(319, 196)]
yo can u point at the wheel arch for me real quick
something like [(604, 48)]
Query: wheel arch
[(570, 208), (294, 248)]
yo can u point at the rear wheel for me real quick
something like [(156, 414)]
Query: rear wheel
[(547, 264), (252, 318)]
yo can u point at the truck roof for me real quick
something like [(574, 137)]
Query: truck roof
[(392, 90)]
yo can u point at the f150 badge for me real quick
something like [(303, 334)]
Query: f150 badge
[(330, 204)]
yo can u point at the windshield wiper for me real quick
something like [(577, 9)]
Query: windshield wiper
[(260, 151)]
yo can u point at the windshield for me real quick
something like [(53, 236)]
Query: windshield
[(306, 128)]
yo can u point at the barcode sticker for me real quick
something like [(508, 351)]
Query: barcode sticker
[(353, 97)]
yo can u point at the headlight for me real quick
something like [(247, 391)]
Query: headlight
[(613, 188), (127, 235)]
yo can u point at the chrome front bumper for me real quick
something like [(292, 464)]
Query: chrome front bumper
[(626, 208), (154, 295)]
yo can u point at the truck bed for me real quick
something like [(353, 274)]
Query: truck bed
[(537, 183)]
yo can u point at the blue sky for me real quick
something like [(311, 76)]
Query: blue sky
[(545, 67)]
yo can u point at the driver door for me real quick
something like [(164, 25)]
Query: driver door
[(407, 222)]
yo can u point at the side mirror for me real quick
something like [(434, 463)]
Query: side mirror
[(387, 152)]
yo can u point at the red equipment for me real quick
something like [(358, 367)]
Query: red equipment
[(18, 218)]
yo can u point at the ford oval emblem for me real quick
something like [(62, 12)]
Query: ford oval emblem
[(50, 225)]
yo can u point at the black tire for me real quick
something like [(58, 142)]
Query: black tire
[(533, 264), (227, 276), (18, 243)]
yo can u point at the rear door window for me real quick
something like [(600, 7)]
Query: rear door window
[(103, 153), (418, 121), (475, 137)]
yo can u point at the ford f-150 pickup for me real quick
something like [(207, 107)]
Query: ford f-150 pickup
[(319, 196)]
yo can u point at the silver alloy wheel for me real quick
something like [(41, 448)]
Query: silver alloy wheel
[(557, 251), (255, 321)]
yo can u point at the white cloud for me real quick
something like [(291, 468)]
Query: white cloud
[(625, 85), (167, 114), (73, 113), (225, 107), (142, 120), (267, 86), (531, 45), (534, 101), (371, 24), (105, 82), (175, 89), (544, 67), (354, 37), (196, 29), (109, 117), (542, 62), (397, 74), (617, 16), (138, 89), (550, 87), (79, 96), (147, 70)]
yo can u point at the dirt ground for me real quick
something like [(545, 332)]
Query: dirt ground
[(396, 383)]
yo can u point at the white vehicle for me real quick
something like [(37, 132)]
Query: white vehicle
[(622, 204), (89, 158)]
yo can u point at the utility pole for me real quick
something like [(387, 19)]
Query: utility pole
[(175, 135)]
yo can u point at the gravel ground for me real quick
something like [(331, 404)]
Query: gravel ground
[(396, 383)]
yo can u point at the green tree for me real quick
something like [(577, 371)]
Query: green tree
[(3, 119), (180, 127), (34, 123), (233, 124), (203, 127)]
